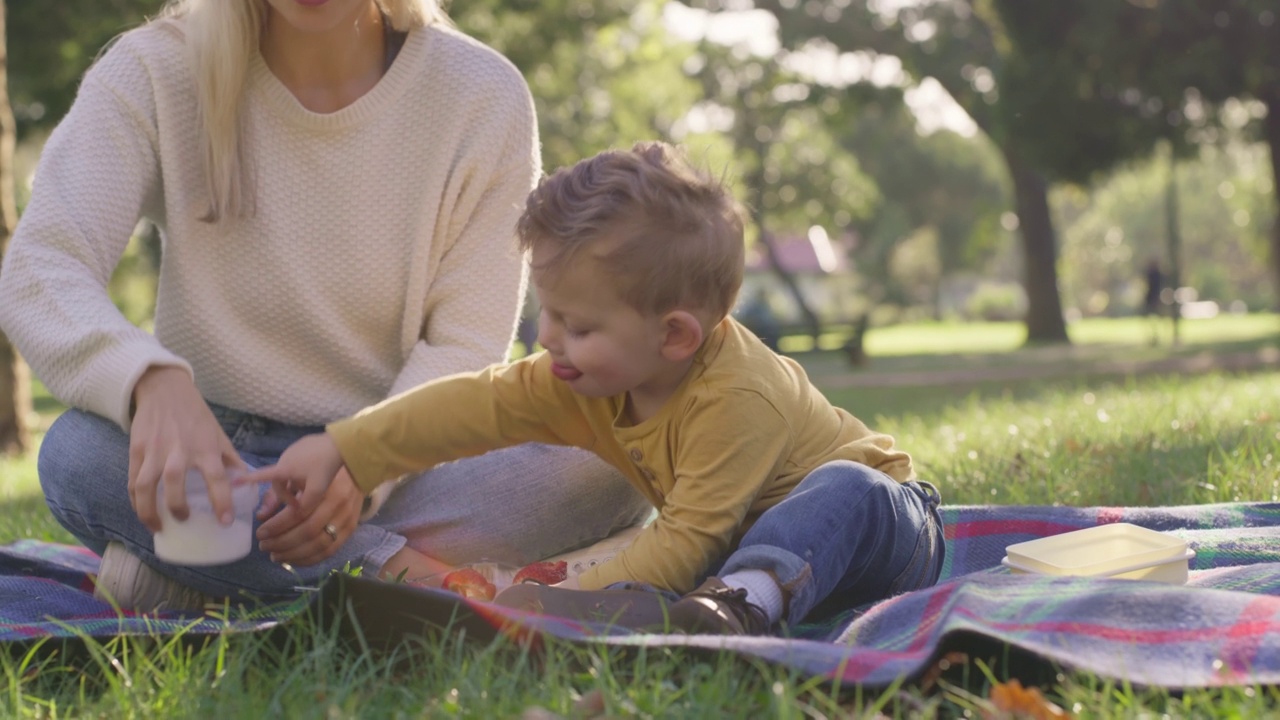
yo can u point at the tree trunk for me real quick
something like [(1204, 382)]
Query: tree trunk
[(15, 387), (793, 286), (1040, 253), (755, 188), (1271, 132)]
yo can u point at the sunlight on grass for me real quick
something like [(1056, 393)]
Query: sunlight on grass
[(1069, 441), (1158, 441), (18, 474), (996, 337)]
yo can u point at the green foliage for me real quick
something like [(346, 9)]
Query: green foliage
[(51, 44), (1126, 74), (963, 45), (602, 74), (943, 183), (1110, 231), (794, 174), (995, 302)]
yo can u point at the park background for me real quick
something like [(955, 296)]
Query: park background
[(951, 205)]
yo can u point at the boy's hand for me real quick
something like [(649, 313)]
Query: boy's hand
[(304, 472)]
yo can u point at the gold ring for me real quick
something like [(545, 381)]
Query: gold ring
[(331, 531)]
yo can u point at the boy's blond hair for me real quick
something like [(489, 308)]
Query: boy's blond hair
[(670, 234)]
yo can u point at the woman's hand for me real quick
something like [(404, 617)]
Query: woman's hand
[(174, 431), (298, 538)]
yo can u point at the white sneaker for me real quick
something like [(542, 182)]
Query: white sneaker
[(130, 584), (583, 559)]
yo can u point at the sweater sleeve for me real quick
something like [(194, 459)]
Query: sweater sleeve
[(500, 406), (96, 174), (474, 303)]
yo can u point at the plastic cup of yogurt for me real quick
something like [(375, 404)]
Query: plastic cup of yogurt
[(201, 539)]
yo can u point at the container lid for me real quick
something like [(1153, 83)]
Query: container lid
[(1099, 550), (1186, 557)]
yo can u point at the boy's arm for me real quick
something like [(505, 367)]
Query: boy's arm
[(458, 416), (729, 451)]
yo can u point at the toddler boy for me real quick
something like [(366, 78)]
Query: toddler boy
[(773, 505)]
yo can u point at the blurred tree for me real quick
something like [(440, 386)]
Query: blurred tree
[(794, 175), (962, 45), (603, 73), (1111, 228), (942, 183), (15, 385), (51, 44), (1154, 69)]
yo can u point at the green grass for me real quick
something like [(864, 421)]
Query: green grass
[(1004, 337), (1073, 440)]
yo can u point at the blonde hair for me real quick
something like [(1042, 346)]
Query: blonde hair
[(669, 233), (222, 37)]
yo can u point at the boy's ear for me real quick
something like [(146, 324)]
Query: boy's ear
[(682, 335)]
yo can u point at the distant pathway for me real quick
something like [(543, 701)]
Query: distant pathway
[(1262, 359)]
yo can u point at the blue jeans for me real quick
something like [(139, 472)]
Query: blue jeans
[(846, 535), (513, 506)]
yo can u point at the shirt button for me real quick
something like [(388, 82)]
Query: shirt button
[(636, 455), (648, 474)]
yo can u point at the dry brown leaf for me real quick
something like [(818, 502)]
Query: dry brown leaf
[(1022, 702)]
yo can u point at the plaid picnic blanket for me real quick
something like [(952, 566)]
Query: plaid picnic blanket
[(1218, 629)]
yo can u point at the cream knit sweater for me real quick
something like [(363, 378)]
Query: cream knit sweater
[(379, 254)]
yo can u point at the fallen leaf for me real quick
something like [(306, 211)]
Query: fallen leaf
[(1020, 702)]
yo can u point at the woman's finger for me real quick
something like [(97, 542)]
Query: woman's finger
[(219, 489), (142, 491), (269, 504)]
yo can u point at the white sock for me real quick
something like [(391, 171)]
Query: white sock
[(762, 591)]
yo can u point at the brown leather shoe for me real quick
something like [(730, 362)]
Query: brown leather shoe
[(631, 609), (717, 609)]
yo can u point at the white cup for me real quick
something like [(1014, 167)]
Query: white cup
[(201, 539)]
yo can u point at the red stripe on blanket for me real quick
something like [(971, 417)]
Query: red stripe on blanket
[(981, 528), (932, 615), (1108, 515), (1239, 653), (857, 667)]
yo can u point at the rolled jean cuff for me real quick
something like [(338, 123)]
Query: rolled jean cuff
[(794, 575)]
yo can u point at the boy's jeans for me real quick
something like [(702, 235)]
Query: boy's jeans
[(846, 535), (513, 506)]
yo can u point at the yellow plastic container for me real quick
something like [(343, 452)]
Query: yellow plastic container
[(1115, 550)]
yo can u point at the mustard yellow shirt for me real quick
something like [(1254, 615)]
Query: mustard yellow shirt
[(742, 430)]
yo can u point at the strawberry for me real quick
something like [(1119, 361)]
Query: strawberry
[(470, 584), (545, 572)]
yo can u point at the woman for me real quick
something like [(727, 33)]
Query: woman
[(336, 184)]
